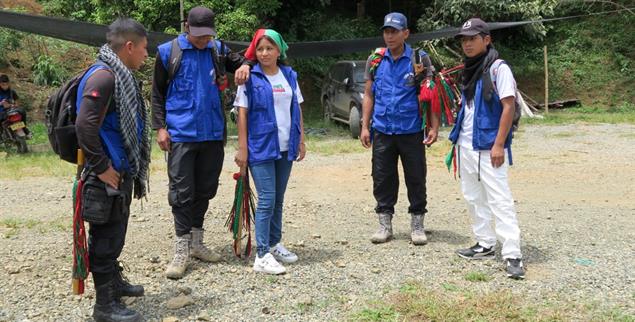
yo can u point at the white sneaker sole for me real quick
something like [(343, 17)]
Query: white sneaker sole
[(259, 269)]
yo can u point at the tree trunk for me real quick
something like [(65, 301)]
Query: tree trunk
[(361, 9)]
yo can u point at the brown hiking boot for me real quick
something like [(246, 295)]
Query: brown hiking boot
[(178, 266), (200, 251), (384, 233)]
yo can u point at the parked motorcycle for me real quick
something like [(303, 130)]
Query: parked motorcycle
[(13, 130)]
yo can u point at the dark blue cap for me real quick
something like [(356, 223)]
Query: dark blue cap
[(473, 27), (395, 20)]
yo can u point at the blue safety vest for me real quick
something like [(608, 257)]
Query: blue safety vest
[(396, 106), (262, 136), (487, 117), (192, 105), (110, 131)]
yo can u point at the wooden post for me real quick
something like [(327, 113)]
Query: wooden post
[(182, 17), (546, 82)]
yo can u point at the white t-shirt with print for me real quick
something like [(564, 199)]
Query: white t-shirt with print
[(282, 96), (505, 87)]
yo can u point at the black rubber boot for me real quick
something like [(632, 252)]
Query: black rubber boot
[(123, 287), (109, 309)]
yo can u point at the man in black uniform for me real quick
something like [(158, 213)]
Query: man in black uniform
[(112, 130)]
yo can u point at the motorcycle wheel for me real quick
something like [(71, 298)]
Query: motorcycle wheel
[(20, 142)]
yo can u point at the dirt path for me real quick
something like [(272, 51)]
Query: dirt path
[(575, 191)]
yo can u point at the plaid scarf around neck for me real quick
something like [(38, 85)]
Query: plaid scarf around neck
[(131, 110)]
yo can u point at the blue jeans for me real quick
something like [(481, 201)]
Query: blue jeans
[(271, 178)]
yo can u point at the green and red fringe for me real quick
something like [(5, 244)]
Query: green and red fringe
[(375, 59), (81, 267), (241, 216), (443, 98)]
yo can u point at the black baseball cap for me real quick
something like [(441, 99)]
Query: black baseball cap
[(4, 78), (201, 22), (473, 27)]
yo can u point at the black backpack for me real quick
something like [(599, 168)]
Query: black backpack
[(60, 116)]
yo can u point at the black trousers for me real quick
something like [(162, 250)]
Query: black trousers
[(193, 170), (106, 241), (387, 150)]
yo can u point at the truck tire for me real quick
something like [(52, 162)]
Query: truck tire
[(354, 122), (326, 109)]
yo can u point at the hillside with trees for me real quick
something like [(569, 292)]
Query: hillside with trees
[(591, 58)]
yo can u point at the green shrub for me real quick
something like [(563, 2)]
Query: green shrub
[(47, 72)]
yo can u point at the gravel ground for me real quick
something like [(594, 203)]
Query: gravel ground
[(574, 194)]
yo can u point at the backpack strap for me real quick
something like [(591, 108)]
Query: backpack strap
[(417, 60), (493, 71), (218, 60), (417, 56), (174, 61)]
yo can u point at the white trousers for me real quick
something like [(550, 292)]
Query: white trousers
[(486, 191)]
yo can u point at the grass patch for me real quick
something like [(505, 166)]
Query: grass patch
[(11, 223), (271, 279), (624, 113), (39, 132), (15, 225), (377, 314), (39, 164), (334, 146), (477, 277), (419, 303), (450, 287), (409, 288)]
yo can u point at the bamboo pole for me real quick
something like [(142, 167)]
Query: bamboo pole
[(546, 82)]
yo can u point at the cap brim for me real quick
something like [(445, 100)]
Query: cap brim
[(468, 33), (202, 31), (392, 25)]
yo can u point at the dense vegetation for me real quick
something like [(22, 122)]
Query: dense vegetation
[(590, 58)]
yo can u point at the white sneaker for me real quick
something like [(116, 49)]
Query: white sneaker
[(268, 264), (282, 254)]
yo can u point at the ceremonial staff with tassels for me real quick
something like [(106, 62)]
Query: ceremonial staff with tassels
[(80, 247), (241, 216)]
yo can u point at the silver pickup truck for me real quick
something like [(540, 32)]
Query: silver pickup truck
[(343, 93)]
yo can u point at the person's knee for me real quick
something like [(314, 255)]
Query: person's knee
[(266, 201), (179, 197), (208, 193)]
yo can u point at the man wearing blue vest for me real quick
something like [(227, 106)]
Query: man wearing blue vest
[(190, 124), (482, 136), (113, 132), (390, 98)]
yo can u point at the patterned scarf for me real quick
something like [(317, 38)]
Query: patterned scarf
[(131, 109), (274, 35)]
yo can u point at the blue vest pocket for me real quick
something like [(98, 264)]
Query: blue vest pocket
[(182, 95), (262, 141), (487, 123)]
